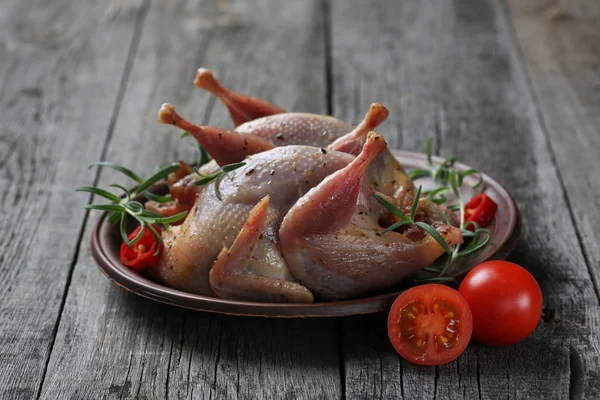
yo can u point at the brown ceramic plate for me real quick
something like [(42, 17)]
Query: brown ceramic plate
[(106, 242)]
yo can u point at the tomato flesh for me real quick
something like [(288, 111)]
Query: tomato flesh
[(480, 209), (142, 254), (505, 300), (430, 324)]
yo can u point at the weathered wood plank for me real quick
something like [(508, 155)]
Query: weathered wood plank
[(54, 60), (560, 42), (125, 346), (450, 70)]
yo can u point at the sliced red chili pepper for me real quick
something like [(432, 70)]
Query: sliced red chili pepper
[(480, 209), (144, 252)]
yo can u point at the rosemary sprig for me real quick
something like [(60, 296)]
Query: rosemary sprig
[(410, 220), (441, 173), (216, 177), (448, 181), (121, 208)]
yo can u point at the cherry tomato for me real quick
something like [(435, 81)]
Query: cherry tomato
[(430, 324), (506, 302), (143, 253), (480, 209)]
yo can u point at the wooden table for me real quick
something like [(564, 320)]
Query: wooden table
[(513, 89)]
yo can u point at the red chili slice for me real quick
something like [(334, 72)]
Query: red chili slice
[(143, 253), (480, 209)]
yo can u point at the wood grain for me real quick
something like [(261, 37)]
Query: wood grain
[(560, 44), (55, 108), (128, 347), (452, 71), (511, 90)]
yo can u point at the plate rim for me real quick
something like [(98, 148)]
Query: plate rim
[(364, 305)]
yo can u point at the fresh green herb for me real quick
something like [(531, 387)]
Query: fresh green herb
[(441, 173), (121, 208), (448, 181), (410, 220), (216, 177)]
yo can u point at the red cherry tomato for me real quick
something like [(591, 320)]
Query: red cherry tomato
[(506, 302), (143, 253), (430, 324), (480, 209)]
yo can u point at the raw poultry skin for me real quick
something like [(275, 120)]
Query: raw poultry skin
[(386, 174), (283, 173), (294, 217), (331, 237), (286, 175)]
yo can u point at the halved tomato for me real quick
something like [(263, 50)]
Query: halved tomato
[(430, 324)]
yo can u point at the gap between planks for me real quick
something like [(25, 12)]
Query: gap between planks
[(137, 34), (539, 115)]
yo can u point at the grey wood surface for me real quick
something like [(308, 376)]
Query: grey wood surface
[(57, 107), (455, 73), (509, 88), (132, 347)]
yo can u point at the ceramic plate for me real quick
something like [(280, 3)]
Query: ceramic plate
[(106, 243)]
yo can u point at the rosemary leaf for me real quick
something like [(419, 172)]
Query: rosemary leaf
[(467, 233), (150, 215), (124, 189), (434, 234), (454, 183), (391, 208), (428, 150), (159, 199), (474, 224), (119, 168), (105, 207), (173, 218), (394, 226), (453, 207), (207, 178), (114, 217), (470, 171), (441, 176), (449, 162), (140, 233), (217, 190), (415, 206), (161, 174), (203, 157), (475, 248), (158, 238), (99, 192), (441, 191), (134, 208), (418, 173), (231, 167), (123, 229)]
